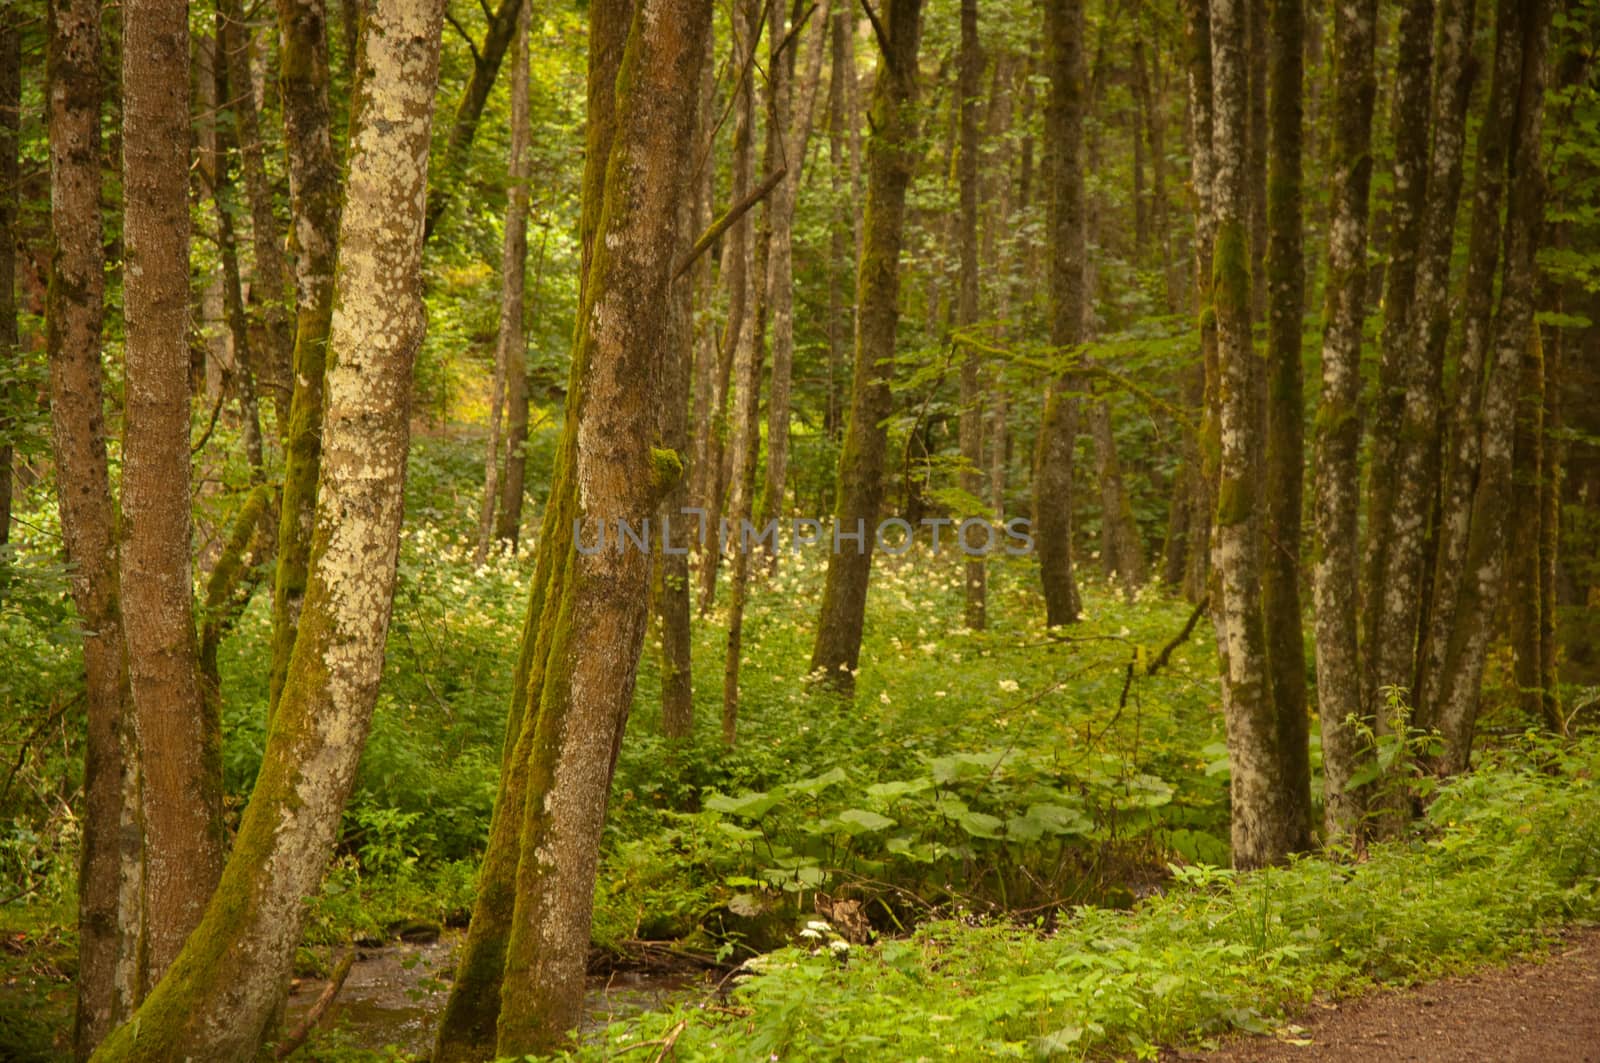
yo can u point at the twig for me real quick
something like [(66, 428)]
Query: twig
[(734, 213), (1181, 637), (319, 1009), (211, 424)]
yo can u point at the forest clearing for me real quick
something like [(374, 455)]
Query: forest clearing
[(877, 530)]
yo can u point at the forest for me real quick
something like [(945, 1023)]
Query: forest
[(799, 529)]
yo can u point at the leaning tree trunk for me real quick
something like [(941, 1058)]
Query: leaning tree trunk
[(1338, 432), (510, 339), (110, 869), (891, 158), (467, 1030), (1058, 426), (314, 194), (179, 737), (225, 988), (1268, 819)]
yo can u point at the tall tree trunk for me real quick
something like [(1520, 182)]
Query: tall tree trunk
[(1202, 166), (225, 988), (1123, 548), (1527, 542), (999, 245), (314, 194), (1266, 812), (890, 160), (511, 339), (467, 1030), (110, 866), (1338, 432), (1058, 426), (179, 735), (796, 116), (969, 87), (10, 123), (1461, 676), (841, 80), (585, 684), (1285, 449), (513, 486)]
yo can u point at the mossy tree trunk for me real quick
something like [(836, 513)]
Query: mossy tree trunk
[(179, 736), (1285, 427), (591, 632), (1466, 644), (314, 194), (225, 989), (841, 79), (10, 123), (1267, 809), (110, 868), (1197, 66), (1338, 428), (890, 159), (1058, 426), (969, 90), (510, 338)]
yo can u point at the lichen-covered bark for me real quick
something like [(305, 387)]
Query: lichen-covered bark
[(595, 628), (468, 1028), (1058, 425), (110, 878), (1476, 314), (1338, 427), (1285, 443), (219, 998), (179, 738), (1391, 587), (1266, 825), (1480, 579), (510, 339), (314, 195), (890, 159)]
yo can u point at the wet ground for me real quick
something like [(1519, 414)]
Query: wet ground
[(394, 995)]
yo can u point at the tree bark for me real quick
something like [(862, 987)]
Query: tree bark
[(511, 338), (219, 998), (890, 160), (10, 124), (1338, 430), (110, 868), (179, 735), (1266, 811), (1058, 425), (969, 87), (314, 193), (1197, 41)]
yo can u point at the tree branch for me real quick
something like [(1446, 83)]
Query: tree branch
[(733, 214), (472, 46), (879, 32)]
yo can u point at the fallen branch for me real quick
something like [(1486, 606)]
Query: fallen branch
[(1181, 637), (298, 1037)]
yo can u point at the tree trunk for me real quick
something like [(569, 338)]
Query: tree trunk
[(1058, 426), (841, 80), (314, 194), (969, 87), (225, 988), (179, 737), (1285, 447), (1338, 432), (10, 124), (508, 522), (1123, 549), (110, 867), (585, 683), (467, 1030), (1266, 812), (510, 339), (890, 161), (1197, 40)]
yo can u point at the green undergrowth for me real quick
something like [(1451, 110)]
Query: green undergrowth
[(1504, 856)]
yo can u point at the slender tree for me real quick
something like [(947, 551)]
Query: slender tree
[(969, 89), (861, 462), (224, 991)]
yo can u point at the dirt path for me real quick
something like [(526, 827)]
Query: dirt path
[(1529, 1012)]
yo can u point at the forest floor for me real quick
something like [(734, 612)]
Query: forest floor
[(1539, 1011)]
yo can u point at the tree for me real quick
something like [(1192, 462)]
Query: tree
[(1267, 814), (110, 868), (1058, 427), (970, 85), (510, 338), (10, 123), (861, 461), (221, 994), (179, 736), (1338, 432)]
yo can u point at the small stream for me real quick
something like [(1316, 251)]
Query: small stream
[(395, 994)]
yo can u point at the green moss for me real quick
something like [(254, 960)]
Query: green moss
[(666, 470)]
